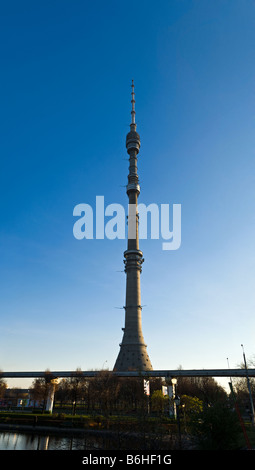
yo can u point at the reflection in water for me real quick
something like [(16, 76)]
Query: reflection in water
[(43, 442), (20, 441), (11, 440)]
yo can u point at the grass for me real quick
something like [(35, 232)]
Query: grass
[(111, 422)]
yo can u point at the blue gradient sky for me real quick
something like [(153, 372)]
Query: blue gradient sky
[(65, 111)]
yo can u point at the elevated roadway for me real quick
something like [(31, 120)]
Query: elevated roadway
[(152, 373)]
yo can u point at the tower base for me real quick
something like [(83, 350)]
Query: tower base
[(132, 357)]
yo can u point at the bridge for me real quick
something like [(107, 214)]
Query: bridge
[(147, 374)]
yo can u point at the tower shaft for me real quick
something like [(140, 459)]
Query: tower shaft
[(133, 350)]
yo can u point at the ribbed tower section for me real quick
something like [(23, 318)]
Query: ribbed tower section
[(133, 350)]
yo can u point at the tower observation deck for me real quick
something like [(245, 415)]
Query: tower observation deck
[(133, 350)]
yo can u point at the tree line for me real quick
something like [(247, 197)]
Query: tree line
[(106, 393)]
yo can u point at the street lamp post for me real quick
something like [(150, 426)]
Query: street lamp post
[(249, 387), (177, 402)]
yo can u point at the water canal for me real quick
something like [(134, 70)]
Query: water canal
[(10, 440)]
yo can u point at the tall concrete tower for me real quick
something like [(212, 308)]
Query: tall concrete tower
[(133, 350)]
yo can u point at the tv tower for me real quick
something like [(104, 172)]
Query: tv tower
[(133, 350)]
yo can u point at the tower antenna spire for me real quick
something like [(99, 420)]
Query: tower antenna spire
[(133, 103)]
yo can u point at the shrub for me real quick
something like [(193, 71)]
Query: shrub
[(217, 428)]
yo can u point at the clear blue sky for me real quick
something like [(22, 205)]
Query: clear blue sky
[(65, 111)]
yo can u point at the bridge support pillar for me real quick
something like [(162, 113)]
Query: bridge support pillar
[(51, 394)]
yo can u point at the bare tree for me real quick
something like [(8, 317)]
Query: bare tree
[(204, 388), (104, 388), (244, 395), (40, 388), (3, 386), (75, 387)]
